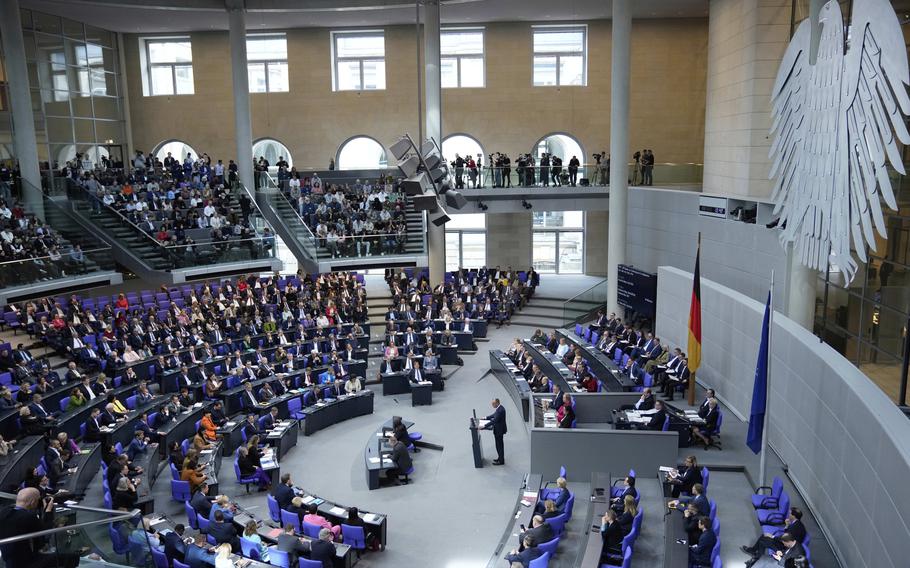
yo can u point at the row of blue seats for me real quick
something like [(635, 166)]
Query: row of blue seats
[(772, 510)]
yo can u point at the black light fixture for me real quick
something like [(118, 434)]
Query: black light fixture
[(482, 206), (525, 204), (427, 176)]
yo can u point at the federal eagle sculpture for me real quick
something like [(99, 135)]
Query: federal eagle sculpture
[(836, 123)]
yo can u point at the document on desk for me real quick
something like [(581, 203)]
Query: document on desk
[(647, 412), (666, 469), (374, 460), (482, 423), (268, 463), (338, 511), (424, 382), (229, 424)]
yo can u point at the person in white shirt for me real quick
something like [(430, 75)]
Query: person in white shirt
[(562, 349)]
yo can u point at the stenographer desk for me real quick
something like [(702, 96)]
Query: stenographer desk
[(374, 455), (512, 380)]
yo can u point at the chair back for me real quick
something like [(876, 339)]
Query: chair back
[(311, 530), (119, 545), (174, 473), (570, 505), (777, 487), (203, 523), (715, 526), (720, 420), (666, 425), (307, 563), (546, 546), (274, 509), (541, 561), (180, 490), (179, 564), (636, 522), (159, 559), (627, 558), (131, 402), (289, 518), (185, 446), (713, 514), (558, 523), (191, 516), (279, 558), (705, 475), (784, 504), (63, 402), (249, 548), (354, 536), (294, 405)]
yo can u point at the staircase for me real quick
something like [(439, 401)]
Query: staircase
[(547, 312), (139, 245)]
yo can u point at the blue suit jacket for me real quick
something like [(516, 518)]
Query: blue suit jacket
[(198, 558), (701, 552), (498, 420), (525, 556)]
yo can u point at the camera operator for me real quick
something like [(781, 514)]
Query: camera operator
[(29, 515), (520, 164), (573, 170), (496, 166), (545, 169), (529, 172), (555, 170), (458, 164), (506, 170), (597, 178)]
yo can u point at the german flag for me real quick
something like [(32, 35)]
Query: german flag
[(694, 350)]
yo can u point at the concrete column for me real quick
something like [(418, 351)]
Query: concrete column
[(619, 145), (25, 144), (125, 100), (436, 236), (243, 130), (801, 286)]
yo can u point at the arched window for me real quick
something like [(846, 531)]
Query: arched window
[(272, 150), (361, 153), (177, 148), (562, 145), (463, 145)]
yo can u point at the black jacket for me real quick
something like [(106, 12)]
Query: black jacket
[(201, 504), (401, 457), (498, 421), (223, 532), (15, 522), (284, 495), (174, 547)]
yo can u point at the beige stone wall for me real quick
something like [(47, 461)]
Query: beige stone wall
[(667, 111), (596, 223), (746, 41), (509, 240)]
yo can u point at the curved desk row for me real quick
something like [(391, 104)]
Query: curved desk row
[(553, 367), (601, 366), (324, 414), (512, 380), (336, 514)]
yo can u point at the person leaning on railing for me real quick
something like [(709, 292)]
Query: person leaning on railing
[(30, 515)]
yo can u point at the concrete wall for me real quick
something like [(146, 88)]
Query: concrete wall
[(508, 115), (584, 452), (596, 242), (663, 230), (509, 240), (746, 40), (846, 444)]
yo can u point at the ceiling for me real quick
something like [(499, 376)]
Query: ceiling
[(157, 16)]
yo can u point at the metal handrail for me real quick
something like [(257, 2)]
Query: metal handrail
[(122, 217), (586, 290), (115, 516)]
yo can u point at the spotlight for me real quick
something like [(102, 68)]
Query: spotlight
[(441, 220), (525, 204), (425, 202), (455, 199), (401, 147), (482, 206), (417, 184)]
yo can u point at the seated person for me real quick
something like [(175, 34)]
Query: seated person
[(314, 518), (618, 494), (611, 534), (698, 498), (559, 502), (525, 556), (251, 533), (540, 530), (565, 414), (704, 432), (250, 469), (684, 477), (657, 418), (629, 512), (353, 385), (700, 552), (224, 532), (192, 472), (223, 504), (793, 526)]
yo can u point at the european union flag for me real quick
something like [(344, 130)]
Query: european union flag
[(760, 388)]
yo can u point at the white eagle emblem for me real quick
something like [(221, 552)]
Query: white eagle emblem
[(835, 123)]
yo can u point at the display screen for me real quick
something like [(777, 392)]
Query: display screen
[(637, 290)]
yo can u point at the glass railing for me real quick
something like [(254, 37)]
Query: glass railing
[(68, 265), (596, 176), (584, 303), (302, 234), (216, 246), (83, 535)]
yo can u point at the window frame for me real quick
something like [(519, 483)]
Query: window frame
[(359, 60), (266, 62), (461, 232), (148, 66), (583, 28), (458, 57), (558, 232)]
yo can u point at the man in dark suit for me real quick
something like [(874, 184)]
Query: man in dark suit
[(294, 546), (400, 457), (56, 468), (271, 419), (200, 501), (680, 377), (497, 423), (792, 550), (224, 532), (93, 426), (251, 428), (29, 515), (525, 556), (794, 527), (322, 549), (416, 375), (618, 494), (540, 530), (196, 554), (174, 547), (284, 491), (657, 419), (700, 553), (248, 398)]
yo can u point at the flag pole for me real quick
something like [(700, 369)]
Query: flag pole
[(690, 388), (763, 461)]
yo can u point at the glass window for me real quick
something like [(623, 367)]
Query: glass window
[(466, 241), (462, 58), (560, 55), (177, 149), (170, 66), (361, 153), (273, 151), (558, 241), (359, 61), (267, 58)]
